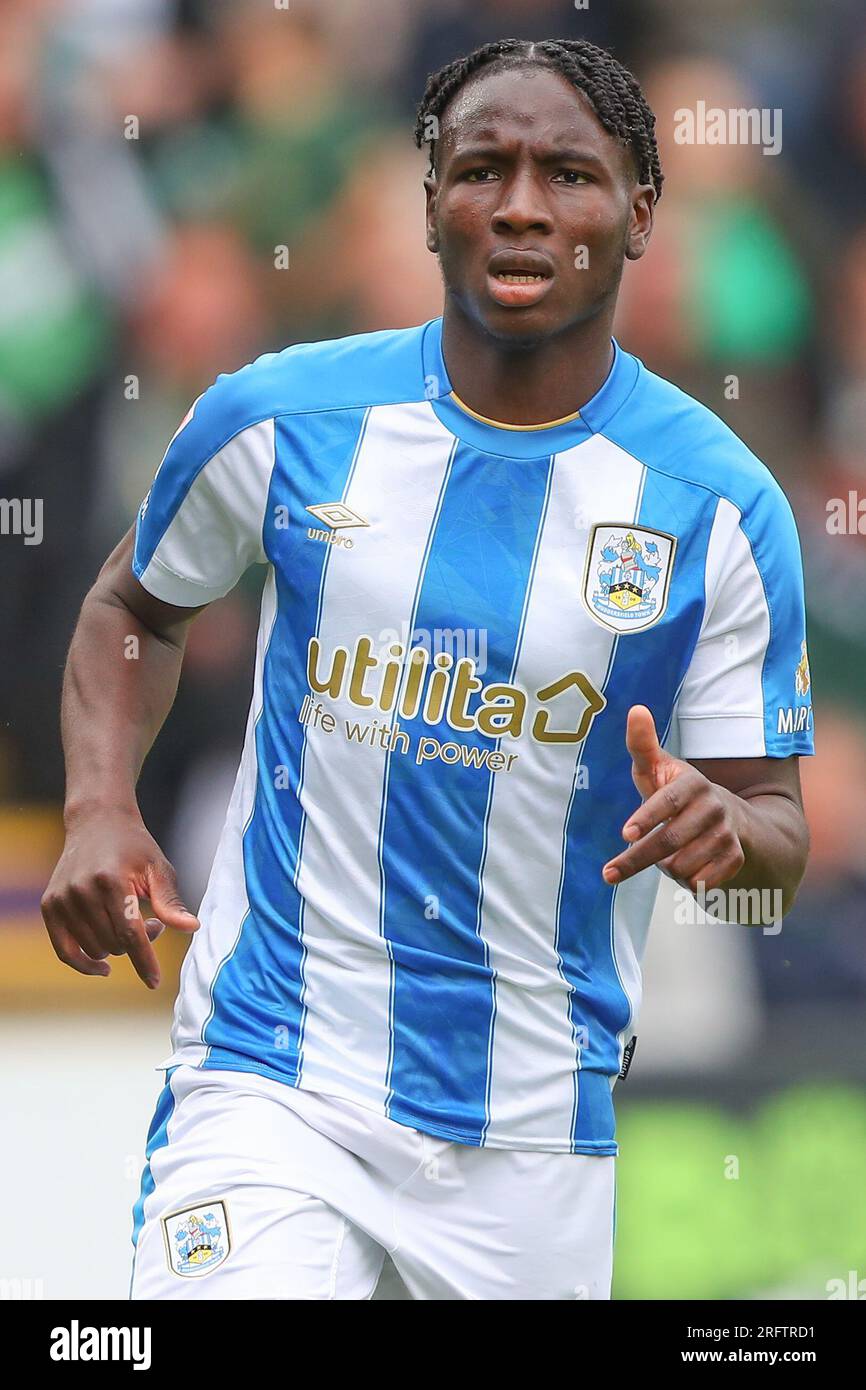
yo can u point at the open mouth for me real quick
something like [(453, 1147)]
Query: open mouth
[(507, 278), (518, 279)]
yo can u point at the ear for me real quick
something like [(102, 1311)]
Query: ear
[(431, 189), (641, 221)]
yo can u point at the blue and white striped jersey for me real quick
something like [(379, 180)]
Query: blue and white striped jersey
[(406, 906)]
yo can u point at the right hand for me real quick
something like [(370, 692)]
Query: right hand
[(91, 905)]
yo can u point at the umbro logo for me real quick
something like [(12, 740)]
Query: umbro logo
[(335, 515)]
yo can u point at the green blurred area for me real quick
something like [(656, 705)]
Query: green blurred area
[(712, 1205)]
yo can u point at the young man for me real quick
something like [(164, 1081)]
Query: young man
[(516, 583)]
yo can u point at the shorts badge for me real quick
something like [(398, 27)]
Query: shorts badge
[(197, 1239)]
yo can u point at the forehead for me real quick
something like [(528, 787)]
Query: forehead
[(530, 103)]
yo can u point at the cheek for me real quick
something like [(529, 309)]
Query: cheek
[(462, 221), (461, 232), (600, 236), (601, 224)]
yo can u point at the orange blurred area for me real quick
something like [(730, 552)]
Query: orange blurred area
[(32, 977)]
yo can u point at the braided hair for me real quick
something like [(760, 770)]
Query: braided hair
[(613, 92)]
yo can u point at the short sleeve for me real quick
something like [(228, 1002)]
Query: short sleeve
[(200, 526), (747, 691)]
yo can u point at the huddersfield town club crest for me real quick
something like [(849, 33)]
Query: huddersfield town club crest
[(627, 575), (197, 1238)]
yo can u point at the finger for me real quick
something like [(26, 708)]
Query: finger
[(642, 741), (86, 934), (81, 926), (709, 876), (153, 928), (166, 900), (90, 921), (67, 949), (110, 931), (669, 801), (714, 850), (129, 933), (141, 953), (82, 912), (664, 841)]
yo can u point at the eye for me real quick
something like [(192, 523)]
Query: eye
[(573, 176), (476, 175)]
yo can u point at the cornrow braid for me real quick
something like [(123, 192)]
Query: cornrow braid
[(614, 93)]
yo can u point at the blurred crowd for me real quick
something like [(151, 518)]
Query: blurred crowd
[(187, 183)]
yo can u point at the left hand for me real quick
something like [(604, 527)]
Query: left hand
[(698, 840)]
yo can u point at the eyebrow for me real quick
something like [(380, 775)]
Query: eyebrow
[(549, 155)]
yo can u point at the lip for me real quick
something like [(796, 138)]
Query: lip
[(517, 262)]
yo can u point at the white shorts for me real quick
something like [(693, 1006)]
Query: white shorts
[(255, 1189)]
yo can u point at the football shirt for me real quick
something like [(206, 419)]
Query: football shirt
[(406, 906)]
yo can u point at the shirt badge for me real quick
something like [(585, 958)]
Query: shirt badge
[(626, 579)]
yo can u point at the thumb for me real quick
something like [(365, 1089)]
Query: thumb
[(642, 741), (166, 900)]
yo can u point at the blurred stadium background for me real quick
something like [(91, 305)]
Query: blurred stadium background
[(159, 162)]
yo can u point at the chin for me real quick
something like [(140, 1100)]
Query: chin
[(526, 334), (519, 328)]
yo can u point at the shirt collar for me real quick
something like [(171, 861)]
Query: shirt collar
[(530, 443)]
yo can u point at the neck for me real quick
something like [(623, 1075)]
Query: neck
[(525, 385)]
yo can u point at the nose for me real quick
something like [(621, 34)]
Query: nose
[(522, 207)]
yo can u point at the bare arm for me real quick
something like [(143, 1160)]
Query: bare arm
[(120, 683), (766, 804), (736, 822)]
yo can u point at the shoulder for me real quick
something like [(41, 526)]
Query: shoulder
[(338, 374), (672, 433)]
